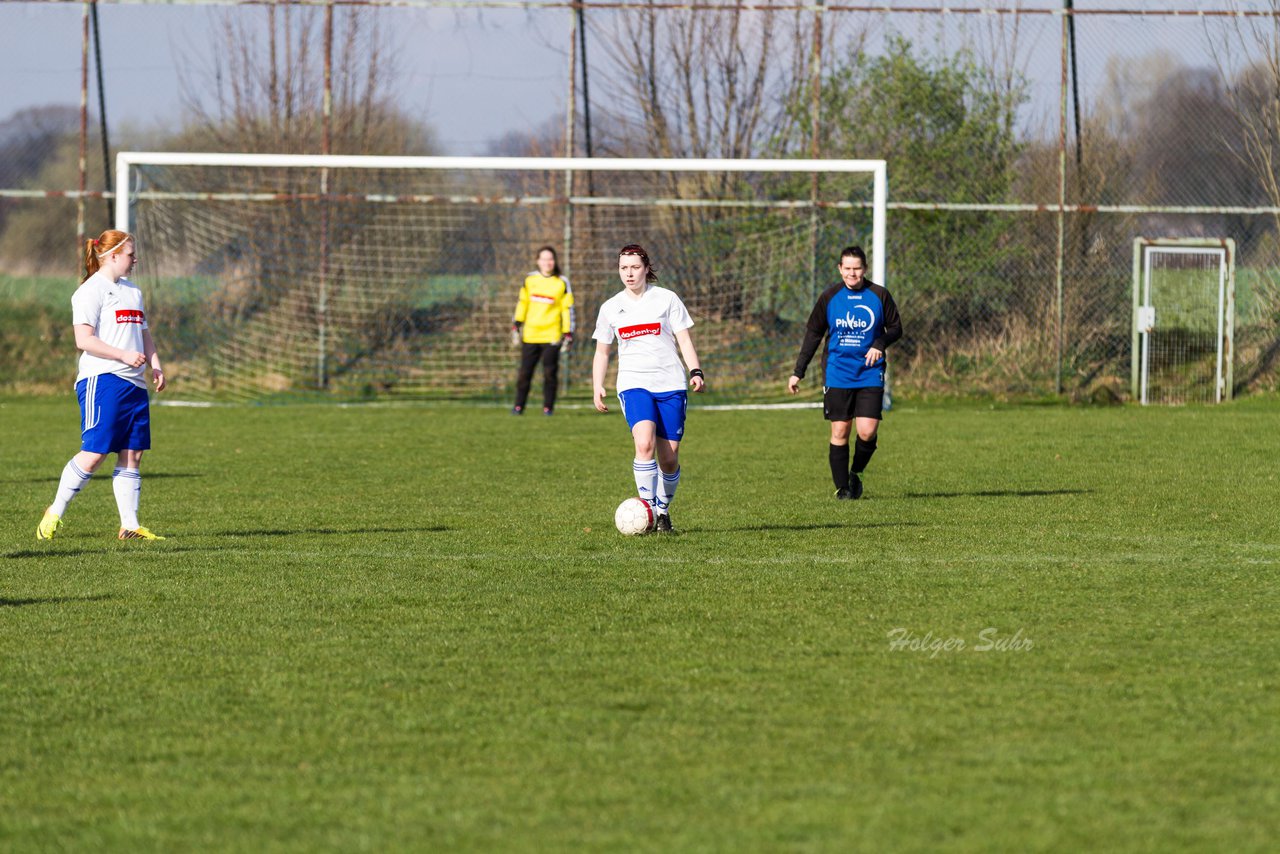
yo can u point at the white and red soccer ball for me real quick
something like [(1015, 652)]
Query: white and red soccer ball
[(634, 516)]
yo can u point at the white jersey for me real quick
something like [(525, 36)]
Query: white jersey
[(645, 328), (114, 310)]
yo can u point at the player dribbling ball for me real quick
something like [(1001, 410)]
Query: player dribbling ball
[(651, 326)]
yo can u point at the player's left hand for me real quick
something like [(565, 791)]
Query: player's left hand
[(697, 384), (873, 356), (157, 377), (567, 341)]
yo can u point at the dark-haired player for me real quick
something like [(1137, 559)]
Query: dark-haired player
[(651, 326), (543, 322), (860, 320)]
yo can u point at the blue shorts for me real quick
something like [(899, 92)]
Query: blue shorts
[(114, 415), (665, 409)]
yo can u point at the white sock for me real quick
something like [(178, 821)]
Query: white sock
[(72, 481), (667, 484), (127, 484), (646, 472)]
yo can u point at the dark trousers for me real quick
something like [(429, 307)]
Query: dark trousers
[(530, 355)]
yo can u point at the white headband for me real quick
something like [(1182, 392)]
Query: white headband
[(113, 249)]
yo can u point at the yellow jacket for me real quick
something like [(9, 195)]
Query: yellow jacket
[(545, 308)]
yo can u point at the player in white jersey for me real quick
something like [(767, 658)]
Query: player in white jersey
[(111, 330), (651, 326)]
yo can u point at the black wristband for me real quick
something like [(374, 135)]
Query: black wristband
[(696, 372)]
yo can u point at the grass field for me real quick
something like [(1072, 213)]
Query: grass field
[(376, 628)]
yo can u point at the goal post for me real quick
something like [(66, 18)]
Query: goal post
[(365, 276), (1183, 331)]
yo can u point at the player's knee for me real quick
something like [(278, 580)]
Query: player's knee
[(88, 461)]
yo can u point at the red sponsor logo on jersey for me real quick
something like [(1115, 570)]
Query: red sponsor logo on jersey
[(129, 315), (626, 333), (545, 300)]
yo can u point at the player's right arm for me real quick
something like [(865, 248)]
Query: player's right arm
[(522, 311), (814, 330), (87, 340), (600, 367)]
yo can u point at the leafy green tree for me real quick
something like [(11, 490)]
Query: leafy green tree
[(946, 126)]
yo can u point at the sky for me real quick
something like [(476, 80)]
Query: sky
[(471, 77), (474, 75)]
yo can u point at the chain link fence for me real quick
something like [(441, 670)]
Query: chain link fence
[(1028, 146)]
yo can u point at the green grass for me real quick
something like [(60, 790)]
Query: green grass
[(55, 292), (379, 628)]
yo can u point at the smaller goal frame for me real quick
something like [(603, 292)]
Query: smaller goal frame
[(1143, 311)]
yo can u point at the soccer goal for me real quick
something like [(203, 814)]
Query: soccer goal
[(1183, 320), (359, 276)]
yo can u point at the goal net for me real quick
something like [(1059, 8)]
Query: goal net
[(346, 277)]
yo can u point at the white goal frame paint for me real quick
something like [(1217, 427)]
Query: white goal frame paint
[(1144, 318), (127, 160)]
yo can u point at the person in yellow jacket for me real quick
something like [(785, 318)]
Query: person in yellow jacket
[(543, 321)]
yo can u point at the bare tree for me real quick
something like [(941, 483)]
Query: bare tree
[(715, 82), (1248, 58), (1252, 88), (263, 89), (704, 83)]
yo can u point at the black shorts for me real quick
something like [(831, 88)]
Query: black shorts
[(845, 404)]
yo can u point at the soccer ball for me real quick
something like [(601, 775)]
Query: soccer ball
[(634, 516)]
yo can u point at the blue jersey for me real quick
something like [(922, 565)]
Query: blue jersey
[(853, 321)]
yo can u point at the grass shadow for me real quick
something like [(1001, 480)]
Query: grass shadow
[(816, 526), (285, 532), (51, 600), (113, 547), (105, 475), (998, 493)]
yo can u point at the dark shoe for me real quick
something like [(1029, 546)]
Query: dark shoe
[(843, 495), (517, 410), (547, 410), (662, 524), (855, 487)]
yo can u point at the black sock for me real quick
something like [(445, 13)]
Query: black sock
[(839, 458), (862, 452)]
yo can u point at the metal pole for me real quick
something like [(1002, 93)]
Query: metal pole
[(815, 124), (1062, 203), (575, 19), (586, 93), (102, 109), (326, 113), (570, 93), (1075, 80), (84, 127)]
